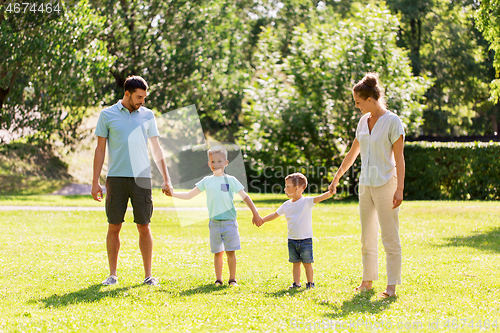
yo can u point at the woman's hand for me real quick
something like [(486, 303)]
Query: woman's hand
[(398, 198)]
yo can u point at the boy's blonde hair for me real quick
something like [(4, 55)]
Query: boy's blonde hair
[(217, 149), (298, 179)]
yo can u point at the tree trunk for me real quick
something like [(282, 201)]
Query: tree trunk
[(3, 96), (495, 121), (415, 26)]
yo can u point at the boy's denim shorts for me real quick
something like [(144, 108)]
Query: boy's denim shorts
[(300, 250), (224, 236)]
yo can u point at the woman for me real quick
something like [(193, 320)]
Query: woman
[(380, 140)]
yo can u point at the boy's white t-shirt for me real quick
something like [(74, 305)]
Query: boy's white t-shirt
[(298, 215)]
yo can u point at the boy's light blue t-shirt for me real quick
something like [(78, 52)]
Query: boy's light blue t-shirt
[(220, 193), (127, 135)]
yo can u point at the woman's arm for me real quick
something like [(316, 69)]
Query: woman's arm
[(400, 171), (346, 164), (185, 195)]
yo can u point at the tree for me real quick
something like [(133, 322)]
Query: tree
[(433, 31), (299, 109), (194, 52), (488, 21), (50, 69)]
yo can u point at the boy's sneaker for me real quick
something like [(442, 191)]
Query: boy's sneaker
[(151, 281), (310, 285), (111, 280), (294, 285)]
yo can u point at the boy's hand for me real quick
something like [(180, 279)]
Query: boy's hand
[(257, 220)]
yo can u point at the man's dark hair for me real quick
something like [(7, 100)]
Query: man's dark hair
[(135, 82)]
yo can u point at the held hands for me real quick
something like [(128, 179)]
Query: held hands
[(167, 189), (397, 199), (257, 220), (96, 192), (333, 186)]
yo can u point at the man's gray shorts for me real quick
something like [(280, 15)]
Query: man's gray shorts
[(224, 236)]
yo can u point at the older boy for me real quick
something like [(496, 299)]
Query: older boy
[(224, 235), (298, 213)]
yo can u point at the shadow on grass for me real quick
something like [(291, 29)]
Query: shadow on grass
[(359, 303), (286, 292), (205, 289), (482, 240), (94, 293)]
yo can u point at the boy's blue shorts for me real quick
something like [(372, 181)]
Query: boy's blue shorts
[(224, 236), (300, 250)]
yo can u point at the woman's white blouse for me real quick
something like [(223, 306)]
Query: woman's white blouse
[(377, 156)]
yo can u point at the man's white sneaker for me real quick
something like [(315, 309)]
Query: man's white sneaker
[(111, 280), (151, 281)]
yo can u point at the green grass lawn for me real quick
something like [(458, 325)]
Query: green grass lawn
[(53, 263), (160, 200)]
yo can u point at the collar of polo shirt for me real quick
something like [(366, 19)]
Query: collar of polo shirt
[(122, 108)]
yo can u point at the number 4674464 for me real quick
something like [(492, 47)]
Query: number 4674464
[(23, 7)]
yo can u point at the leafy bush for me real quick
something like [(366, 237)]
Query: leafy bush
[(452, 171)]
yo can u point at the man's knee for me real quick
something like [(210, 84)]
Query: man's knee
[(144, 229), (114, 229)]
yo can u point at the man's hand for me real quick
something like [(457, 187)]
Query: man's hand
[(167, 189), (96, 192)]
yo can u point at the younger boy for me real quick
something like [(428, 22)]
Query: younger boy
[(298, 213), (224, 235)]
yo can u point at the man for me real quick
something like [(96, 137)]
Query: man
[(126, 128)]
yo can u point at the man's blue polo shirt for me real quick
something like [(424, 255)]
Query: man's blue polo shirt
[(127, 135)]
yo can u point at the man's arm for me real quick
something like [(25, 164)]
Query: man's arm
[(100, 153), (160, 163), (322, 197), (257, 220)]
